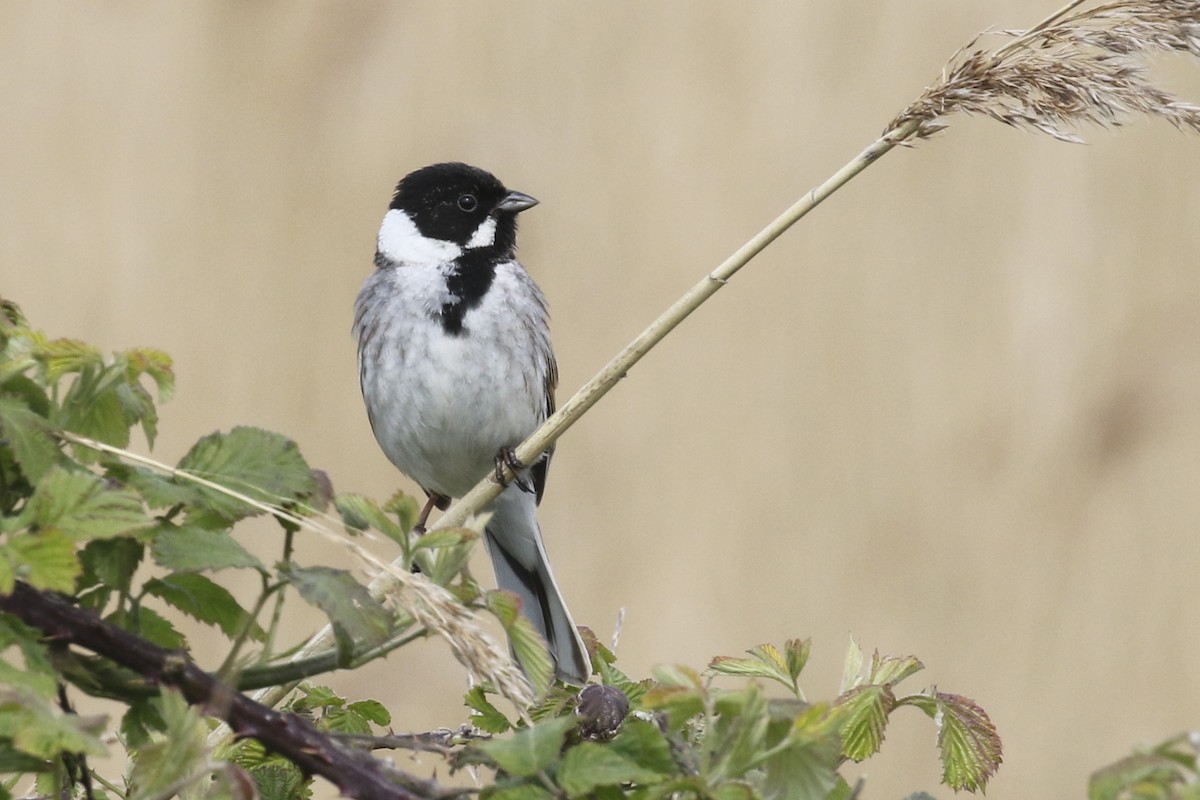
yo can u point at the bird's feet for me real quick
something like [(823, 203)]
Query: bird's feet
[(507, 457), (439, 501)]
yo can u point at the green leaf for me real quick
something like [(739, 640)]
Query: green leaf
[(155, 363), (43, 560), (259, 464), (865, 710), (970, 746), (806, 770), (405, 507), (487, 717), (149, 624), (739, 736), (796, 653), (83, 507), (1142, 775), (891, 670), (356, 616), (195, 549), (530, 750), (588, 765), (852, 668), (528, 645), (30, 437), (360, 513), (280, 779), (91, 408), (173, 756), (203, 600), (645, 745), (61, 356), (514, 790), (766, 662), (314, 696), (110, 563), (41, 684), (372, 711), (37, 728)]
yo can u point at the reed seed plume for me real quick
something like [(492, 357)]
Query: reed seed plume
[(1076, 68)]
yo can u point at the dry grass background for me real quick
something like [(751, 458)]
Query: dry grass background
[(954, 413)]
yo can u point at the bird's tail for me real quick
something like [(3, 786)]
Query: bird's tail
[(514, 542)]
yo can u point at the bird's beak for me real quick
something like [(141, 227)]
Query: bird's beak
[(516, 201)]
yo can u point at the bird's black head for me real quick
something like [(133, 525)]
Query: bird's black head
[(462, 204)]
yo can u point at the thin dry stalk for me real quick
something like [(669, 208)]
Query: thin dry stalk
[(1077, 69), (432, 606)]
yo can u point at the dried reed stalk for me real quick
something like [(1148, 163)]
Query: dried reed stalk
[(1074, 68)]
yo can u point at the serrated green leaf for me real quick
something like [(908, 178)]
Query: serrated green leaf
[(588, 766), (357, 617), (529, 750), (316, 697), (504, 605), (40, 684), (611, 676), (532, 654), (646, 745), (149, 624), (194, 549), (173, 756), (343, 721), (865, 712), (280, 779), (891, 670), (138, 407), (405, 507), (766, 662), (372, 711), (970, 746), (203, 600), (807, 770), (110, 563), (43, 560), (527, 644), (91, 408), (487, 717), (157, 490), (61, 356), (37, 728), (155, 363), (851, 668), (263, 466), (360, 513), (30, 437), (796, 652), (739, 736), (83, 507)]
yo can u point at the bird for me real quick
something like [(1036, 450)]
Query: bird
[(456, 369)]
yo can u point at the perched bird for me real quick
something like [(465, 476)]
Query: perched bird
[(456, 369)]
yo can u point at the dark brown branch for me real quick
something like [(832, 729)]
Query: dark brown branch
[(355, 773)]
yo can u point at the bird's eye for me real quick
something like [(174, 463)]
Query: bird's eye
[(467, 202)]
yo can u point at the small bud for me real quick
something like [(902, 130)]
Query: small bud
[(603, 709)]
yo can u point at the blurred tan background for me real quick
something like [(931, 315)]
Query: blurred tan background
[(953, 414)]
